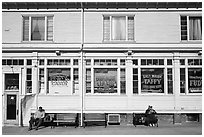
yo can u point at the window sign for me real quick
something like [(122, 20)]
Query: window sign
[(195, 80), (59, 81), (105, 80), (152, 80)]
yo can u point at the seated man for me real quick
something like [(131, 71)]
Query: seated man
[(37, 118), (150, 116)]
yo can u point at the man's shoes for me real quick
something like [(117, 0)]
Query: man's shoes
[(29, 129), (36, 128)]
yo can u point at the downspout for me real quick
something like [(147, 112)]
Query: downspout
[(82, 63)]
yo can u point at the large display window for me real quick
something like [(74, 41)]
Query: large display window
[(105, 80), (59, 81), (152, 80), (195, 80)]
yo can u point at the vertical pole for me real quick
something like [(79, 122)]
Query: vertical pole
[(82, 63)]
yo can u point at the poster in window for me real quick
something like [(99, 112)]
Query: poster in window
[(105, 80), (195, 80), (152, 80), (59, 81)]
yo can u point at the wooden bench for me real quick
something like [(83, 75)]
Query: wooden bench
[(94, 119), (140, 119), (66, 119)]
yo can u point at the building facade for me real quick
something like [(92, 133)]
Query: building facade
[(100, 57)]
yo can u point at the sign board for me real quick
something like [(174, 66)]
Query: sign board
[(152, 80), (59, 81), (195, 80), (105, 80)]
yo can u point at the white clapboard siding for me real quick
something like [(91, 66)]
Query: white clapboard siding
[(67, 27), (159, 103), (59, 102), (157, 27), (11, 27), (93, 27), (191, 102), (106, 102)]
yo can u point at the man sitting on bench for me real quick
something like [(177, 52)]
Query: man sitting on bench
[(37, 118)]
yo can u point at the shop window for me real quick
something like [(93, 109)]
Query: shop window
[(41, 62), (194, 62), (59, 81), (118, 28), (58, 62), (11, 82), (191, 28), (12, 62), (76, 62), (152, 80), (37, 28), (182, 61), (135, 81), (76, 80), (105, 80), (169, 61), (122, 62), (105, 62), (29, 61), (88, 80), (170, 80), (88, 62), (195, 80), (152, 61), (41, 80), (182, 80), (134, 62), (122, 81), (29, 80)]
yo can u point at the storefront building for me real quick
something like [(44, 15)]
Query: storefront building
[(100, 57)]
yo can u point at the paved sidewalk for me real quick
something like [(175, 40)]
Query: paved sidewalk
[(163, 129)]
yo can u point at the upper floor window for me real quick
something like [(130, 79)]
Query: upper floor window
[(37, 28), (191, 28), (118, 28)]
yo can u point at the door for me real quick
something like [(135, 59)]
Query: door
[(11, 108), (11, 99)]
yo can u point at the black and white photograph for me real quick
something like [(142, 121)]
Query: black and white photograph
[(101, 68)]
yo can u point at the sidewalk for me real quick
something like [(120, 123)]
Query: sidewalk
[(163, 129)]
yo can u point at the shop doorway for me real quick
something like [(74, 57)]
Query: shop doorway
[(11, 97)]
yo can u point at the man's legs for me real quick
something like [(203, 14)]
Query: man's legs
[(31, 123), (39, 122)]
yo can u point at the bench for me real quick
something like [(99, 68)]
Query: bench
[(94, 119), (66, 119), (140, 119)]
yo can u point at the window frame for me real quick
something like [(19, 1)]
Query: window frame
[(188, 37), (126, 24), (30, 27)]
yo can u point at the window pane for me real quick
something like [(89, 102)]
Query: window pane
[(195, 80), (118, 28), (49, 28), (105, 80), (195, 28), (182, 80), (25, 28), (130, 28), (106, 28), (152, 80), (37, 28)]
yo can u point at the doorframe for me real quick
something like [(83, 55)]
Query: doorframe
[(4, 99)]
